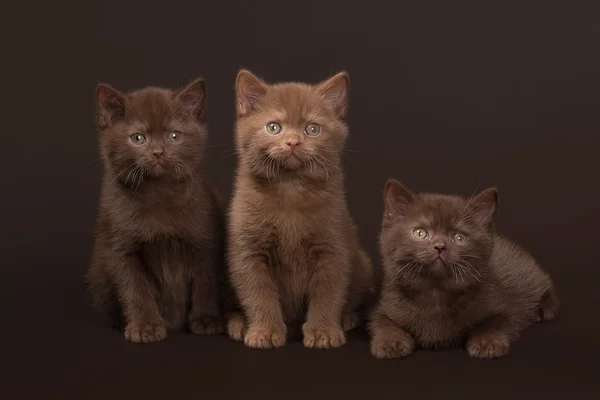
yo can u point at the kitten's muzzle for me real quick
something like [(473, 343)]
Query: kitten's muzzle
[(293, 143), (439, 247)]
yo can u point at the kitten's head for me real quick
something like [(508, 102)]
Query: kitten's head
[(437, 236), (152, 133), (291, 127)]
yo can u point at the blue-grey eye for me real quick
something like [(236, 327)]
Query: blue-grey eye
[(137, 138), (273, 128), (420, 233), (312, 130), (174, 137), (459, 238)]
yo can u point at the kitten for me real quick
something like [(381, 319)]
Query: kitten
[(160, 229), (449, 279), (293, 249)]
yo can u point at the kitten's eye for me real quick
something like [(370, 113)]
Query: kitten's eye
[(312, 130), (458, 238), (137, 138), (273, 128), (174, 137), (420, 233)]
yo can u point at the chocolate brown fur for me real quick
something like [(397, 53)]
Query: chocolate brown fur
[(160, 228), (294, 254), (484, 293)]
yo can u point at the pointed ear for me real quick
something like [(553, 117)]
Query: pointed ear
[(396, 198), (110, 106), (249, 89), (335, 93), (482, 208), (193, 99)]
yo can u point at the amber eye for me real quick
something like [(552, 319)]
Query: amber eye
[(420, 233), (458, 238), (174, 137), (137, 138), (273, 128), (312, 130)]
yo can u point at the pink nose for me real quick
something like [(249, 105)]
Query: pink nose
[(293, 143)]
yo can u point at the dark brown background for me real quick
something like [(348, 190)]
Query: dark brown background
[(445, 95)]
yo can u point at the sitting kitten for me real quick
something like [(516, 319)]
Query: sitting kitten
[(293, 250), (449, 279), (160, 229)]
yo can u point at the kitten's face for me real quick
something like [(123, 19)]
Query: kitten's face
[(152, 133), (437, 236), (291, 127)]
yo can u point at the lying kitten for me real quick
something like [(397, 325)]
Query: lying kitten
[(160, 228), (294, 254), (449, 279)]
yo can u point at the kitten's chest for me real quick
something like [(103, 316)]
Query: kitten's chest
[(152, 217), (441, 318)]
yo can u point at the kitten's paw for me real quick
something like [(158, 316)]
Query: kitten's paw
[(264, 338), (488, 345), (236, 326), (209, 325), (350, 321), (323, 338), (390, 346), (549, 306), (547, 314), (145, 333)]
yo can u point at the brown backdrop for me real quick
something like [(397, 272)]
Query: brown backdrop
[(445, 96)]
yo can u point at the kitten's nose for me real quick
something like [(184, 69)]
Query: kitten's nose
[(293, 143), (439, 247), (158, 153)]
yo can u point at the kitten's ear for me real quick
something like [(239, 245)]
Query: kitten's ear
[(249, 89), (335, 93), (482, 208), (110, 106), (396, 198), (193, 99)]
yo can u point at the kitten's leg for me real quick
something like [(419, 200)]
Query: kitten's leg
[(361, 293), (326, 298), (491, 338), (204, 317), (388, 340), (258, 296), (137, 296), (549, 305)]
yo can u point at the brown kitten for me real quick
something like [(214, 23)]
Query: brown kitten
[(294, 254), (160, 229), (449, 279)]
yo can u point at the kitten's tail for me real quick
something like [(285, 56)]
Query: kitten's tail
[(104, 296)]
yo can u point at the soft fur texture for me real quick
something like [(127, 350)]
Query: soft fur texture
[(160, 229), (440, 290), (293, 249)]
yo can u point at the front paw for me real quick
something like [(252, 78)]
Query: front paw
[(145, 333), (323, 338), (392, 345), (488, 345), (265, 338), (208, 325)]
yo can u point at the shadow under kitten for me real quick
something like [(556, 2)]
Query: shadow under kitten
[(158, 249), (293, 251), (450, 280)]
